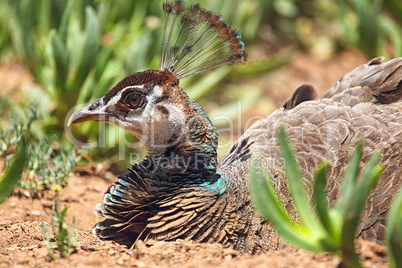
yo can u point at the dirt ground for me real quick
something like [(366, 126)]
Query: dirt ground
[(21, 237), (21, 243)]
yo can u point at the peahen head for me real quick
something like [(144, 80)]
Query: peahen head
[(144, 104), (151, 105)]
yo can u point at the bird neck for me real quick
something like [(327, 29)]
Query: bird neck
[(197, 145), (201, 136)]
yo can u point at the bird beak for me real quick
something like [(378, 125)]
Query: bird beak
[(93, 111)]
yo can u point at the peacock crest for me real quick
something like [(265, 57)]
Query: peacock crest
[(196, 40)]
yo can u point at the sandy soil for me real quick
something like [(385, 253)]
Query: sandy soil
[(21, 237), (21, 243)]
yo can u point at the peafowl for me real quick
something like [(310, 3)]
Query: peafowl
[(179, 192)]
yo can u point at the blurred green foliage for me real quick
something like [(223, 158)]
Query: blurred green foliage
[(79, 49), (369, 26)]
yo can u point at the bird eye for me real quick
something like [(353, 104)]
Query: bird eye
[(135, 101)]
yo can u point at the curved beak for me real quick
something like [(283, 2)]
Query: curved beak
[(94, 111)]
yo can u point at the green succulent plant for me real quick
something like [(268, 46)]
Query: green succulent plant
[(320, 228)]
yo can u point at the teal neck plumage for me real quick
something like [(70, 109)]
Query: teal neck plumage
[(201, 137), (193, 160)]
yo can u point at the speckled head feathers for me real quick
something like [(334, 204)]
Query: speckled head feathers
[(196, 40), (149, 79)]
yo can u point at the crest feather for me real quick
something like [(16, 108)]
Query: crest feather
[(196, 40)]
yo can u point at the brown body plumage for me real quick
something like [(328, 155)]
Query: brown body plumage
[(178, 192), (363, 105)]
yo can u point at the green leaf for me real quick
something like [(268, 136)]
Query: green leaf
[(63, 28), (296, 186), (61, 60), (320, 198), (394, 232), (365, 184), (13, 172), (394, 33), (90, 49), (207, 83), (349, 181), (264, 65), (269, 205), (394, 6)]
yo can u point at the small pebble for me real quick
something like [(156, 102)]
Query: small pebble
[(228, 257), (36, 213)]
